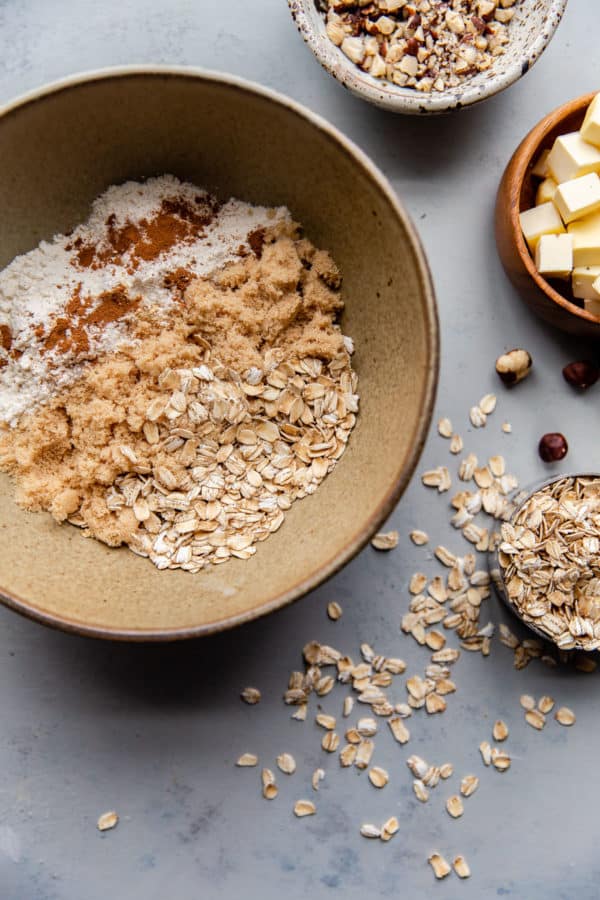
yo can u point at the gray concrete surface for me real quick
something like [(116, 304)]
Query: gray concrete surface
[(154, 731)]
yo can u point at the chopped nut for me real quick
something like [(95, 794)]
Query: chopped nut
[(514, 366), (553, 447), (581, 374)]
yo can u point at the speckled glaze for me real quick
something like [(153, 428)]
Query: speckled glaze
[(532, 29)]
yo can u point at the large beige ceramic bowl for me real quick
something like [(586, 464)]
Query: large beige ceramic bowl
[(59, 148)]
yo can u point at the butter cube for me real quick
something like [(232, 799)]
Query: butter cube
[(582, 282), (571, 157), (578, 198), (540, 169), (586, 240), (540, 220), (545, 192), (593, 307), (590, 130), (554, 255)]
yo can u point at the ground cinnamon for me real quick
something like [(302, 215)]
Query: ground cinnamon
[(69, 334)]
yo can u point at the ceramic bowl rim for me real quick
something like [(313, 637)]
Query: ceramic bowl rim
[(529, 148), (406, 100), (404, 473)]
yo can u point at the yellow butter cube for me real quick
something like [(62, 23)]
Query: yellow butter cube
[(582, 282), (571, 157), (593, 307), (578, 198), (554, 255), (545, 192), (586, 240), (540, 220), (540, 169), (590, 130)]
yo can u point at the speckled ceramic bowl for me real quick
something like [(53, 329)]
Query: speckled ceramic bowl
[(63, 145), (532, 29)]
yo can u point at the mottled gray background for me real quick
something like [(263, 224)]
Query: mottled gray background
[(154, 731)]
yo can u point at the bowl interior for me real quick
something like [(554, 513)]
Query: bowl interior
[(59, 150), (561, 121), (532, 28)]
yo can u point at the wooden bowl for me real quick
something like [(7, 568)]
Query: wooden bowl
[(62, 146), (553, 302)]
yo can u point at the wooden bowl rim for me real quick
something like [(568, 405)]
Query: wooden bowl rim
[(398, 484), (524, 155)]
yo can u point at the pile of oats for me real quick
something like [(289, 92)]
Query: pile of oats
[(550, 562), (429, 45), (234, 453)]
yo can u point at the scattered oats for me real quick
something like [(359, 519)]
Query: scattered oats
[(500, 760), (107, 821), (364, 752), (251, 695), (389, 828), (330, 742), (545, 704), (417, 583), (434, 703), (461, 867), (467, 467), (334, 610), (247, 759), (500, 730), (399, 729), (304, 808), (535, 718), (378, 777), (438, 478), (348, 706), (445, 428), (487, 404), (497, 466), (403, 710), (270, 789), (385, 540), (454, 806), (348, 755), (367, 727), (325, 721), (317, 776), (286, 763), (435, 640), (394, 665), (506, 427), (445, 556), (419, 537), (565, 716), (446, 770), (456, 444), (300, 713), (447, 655), (421, 792), (417, 766), (477, 416), (370, 831), (469, 784), (508, 638), (439, 865), (486, 752)]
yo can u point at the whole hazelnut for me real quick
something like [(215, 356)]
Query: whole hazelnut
[(582, 374), (553, 446), (514, 366)]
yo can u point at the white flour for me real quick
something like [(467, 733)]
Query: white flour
[(36, 287)]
